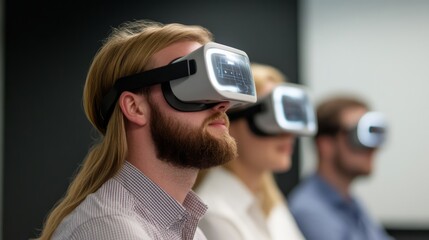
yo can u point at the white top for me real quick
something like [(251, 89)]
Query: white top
[(234, 212)]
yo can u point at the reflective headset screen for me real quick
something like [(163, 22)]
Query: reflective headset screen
[(286, 109), (232, 75), (211, 74), (292, 109)]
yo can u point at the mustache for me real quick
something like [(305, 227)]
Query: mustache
[(217, 116)]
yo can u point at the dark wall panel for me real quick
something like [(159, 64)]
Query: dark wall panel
[(49, 46)]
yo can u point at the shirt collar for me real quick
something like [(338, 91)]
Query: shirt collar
[(153, 200), (331, 194), (349, 207), (236, 194)]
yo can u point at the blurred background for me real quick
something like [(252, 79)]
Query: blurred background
[(375, 49)]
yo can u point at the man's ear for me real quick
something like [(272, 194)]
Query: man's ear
[(134, 107), (325, 145)]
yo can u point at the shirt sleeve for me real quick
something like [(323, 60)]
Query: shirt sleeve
[(110, 228)]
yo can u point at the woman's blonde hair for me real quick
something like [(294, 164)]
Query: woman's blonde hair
[(269, 195), (128, 50), (264, 74)]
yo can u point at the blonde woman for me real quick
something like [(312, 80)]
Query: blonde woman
[(243, 198), (136, 182)]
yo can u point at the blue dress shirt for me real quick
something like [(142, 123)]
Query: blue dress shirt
[(323, 214)]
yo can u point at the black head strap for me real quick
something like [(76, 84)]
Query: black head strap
[(144, 79)]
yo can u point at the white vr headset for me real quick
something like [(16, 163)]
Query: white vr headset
[(370, 132), (211, 74), (287, 109)]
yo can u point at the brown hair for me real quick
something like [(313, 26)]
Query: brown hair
[(329, 112), (128, 50)]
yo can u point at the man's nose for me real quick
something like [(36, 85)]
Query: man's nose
[(222, 106)]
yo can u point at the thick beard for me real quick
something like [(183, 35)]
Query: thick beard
[(187, 147)]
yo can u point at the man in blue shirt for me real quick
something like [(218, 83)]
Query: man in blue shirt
[(322, 204)]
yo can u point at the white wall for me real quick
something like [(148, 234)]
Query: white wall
[(379, 50), (1, 111)]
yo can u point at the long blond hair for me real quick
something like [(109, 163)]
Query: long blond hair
[(269, 194), (128, 50)]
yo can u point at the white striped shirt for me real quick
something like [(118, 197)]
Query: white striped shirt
[(130, 206)]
